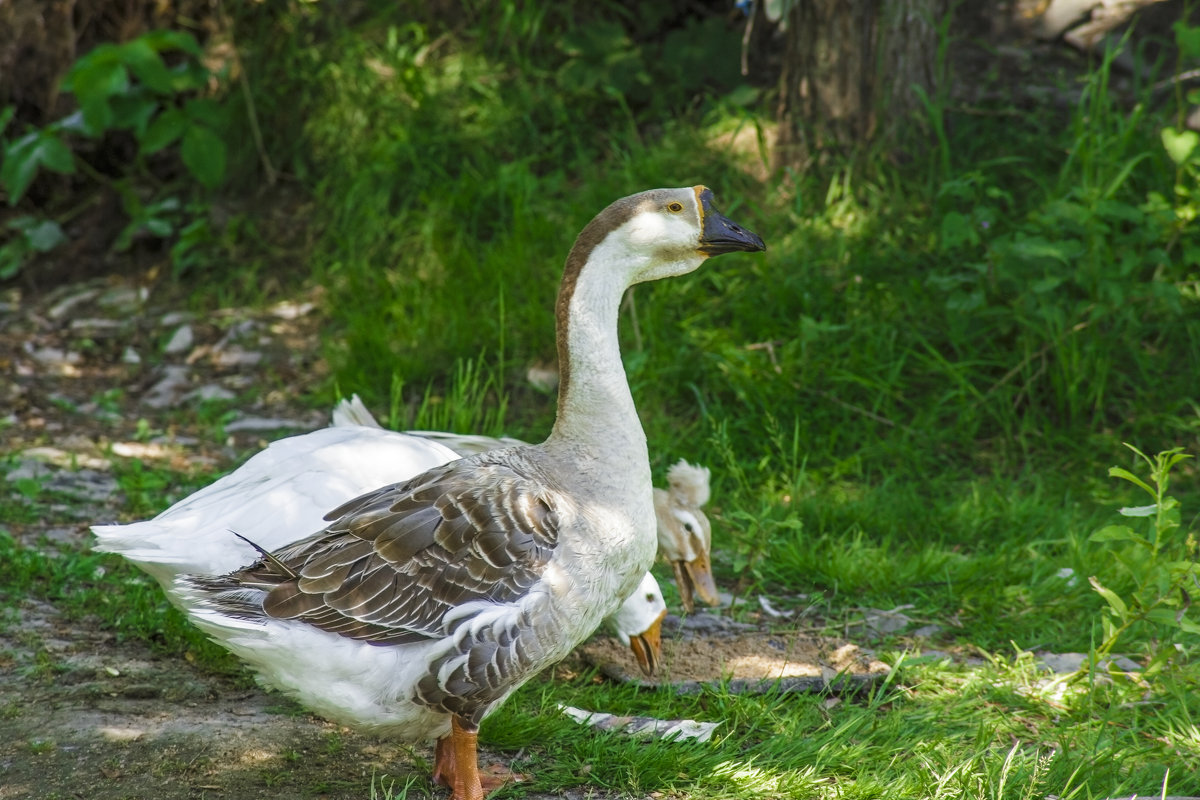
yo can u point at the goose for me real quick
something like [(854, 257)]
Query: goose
[(684, 532), (424, 604), (282, 493)]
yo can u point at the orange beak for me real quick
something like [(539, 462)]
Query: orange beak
[(695, 577), (647, 646)]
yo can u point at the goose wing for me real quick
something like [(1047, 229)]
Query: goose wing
[(394, 562)]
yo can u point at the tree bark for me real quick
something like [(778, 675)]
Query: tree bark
[(849, 72)]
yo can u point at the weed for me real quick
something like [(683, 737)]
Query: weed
[(40, 746), (1160, 567)]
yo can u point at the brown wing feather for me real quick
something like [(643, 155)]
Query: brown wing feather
[(392, 562)]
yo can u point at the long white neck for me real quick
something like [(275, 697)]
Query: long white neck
[(594, 405)]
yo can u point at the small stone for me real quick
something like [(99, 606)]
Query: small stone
[(209, 392), (1062, 663), (235, 357), (52, 356), (262, 424), (95, 326), (123, 299), (64, 306), (289, 310), (130, 356), (882, 622), (170, 387), (181, 341)]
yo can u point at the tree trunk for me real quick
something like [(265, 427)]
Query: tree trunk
[(849, 72)]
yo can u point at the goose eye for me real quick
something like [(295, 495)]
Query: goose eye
[(675, 207), (687, 526), (650, 598)]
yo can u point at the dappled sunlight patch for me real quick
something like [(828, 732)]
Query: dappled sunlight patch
[(746, 141), (147, 451), (754, 780), (112, 733), (755, 661), (255, 755), (1184, 740)]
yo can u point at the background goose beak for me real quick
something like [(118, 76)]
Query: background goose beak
[(695, 578), (723, 235), (647, 646)]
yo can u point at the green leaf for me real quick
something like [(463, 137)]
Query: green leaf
[(19, 167), (1115, 602), (56, 156), (97, 115), (94, 81), (203, 154), (1164, 616), (164, 130), (45, 235), (1138, 511), (23, 157), (1118, 472), (957, 230), (1180, 144), (160, 227), (133, 111), (172, 40), (1187, 39), (6, 115), (204, 111), (145, 63), (1116, 533)]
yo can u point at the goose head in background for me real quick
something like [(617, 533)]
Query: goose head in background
[(685, 534)]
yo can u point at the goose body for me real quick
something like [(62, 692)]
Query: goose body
[(423, 604), (289, 487), (683, 529)]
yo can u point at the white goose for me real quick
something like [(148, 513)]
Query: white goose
[(424, 604), (684, 532)]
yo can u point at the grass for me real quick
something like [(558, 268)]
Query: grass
[(909, 401)]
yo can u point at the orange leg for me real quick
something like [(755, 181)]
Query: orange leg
[(465, 758), (443, 762), (456, 765)]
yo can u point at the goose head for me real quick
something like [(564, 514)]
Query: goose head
[(661, 233), (685, 534), (638, 624)]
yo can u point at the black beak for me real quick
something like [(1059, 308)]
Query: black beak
[(723, 235)]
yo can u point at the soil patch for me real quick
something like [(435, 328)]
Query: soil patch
[(748, 661)]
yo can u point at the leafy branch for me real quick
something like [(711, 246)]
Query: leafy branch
[(1160, 562)]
